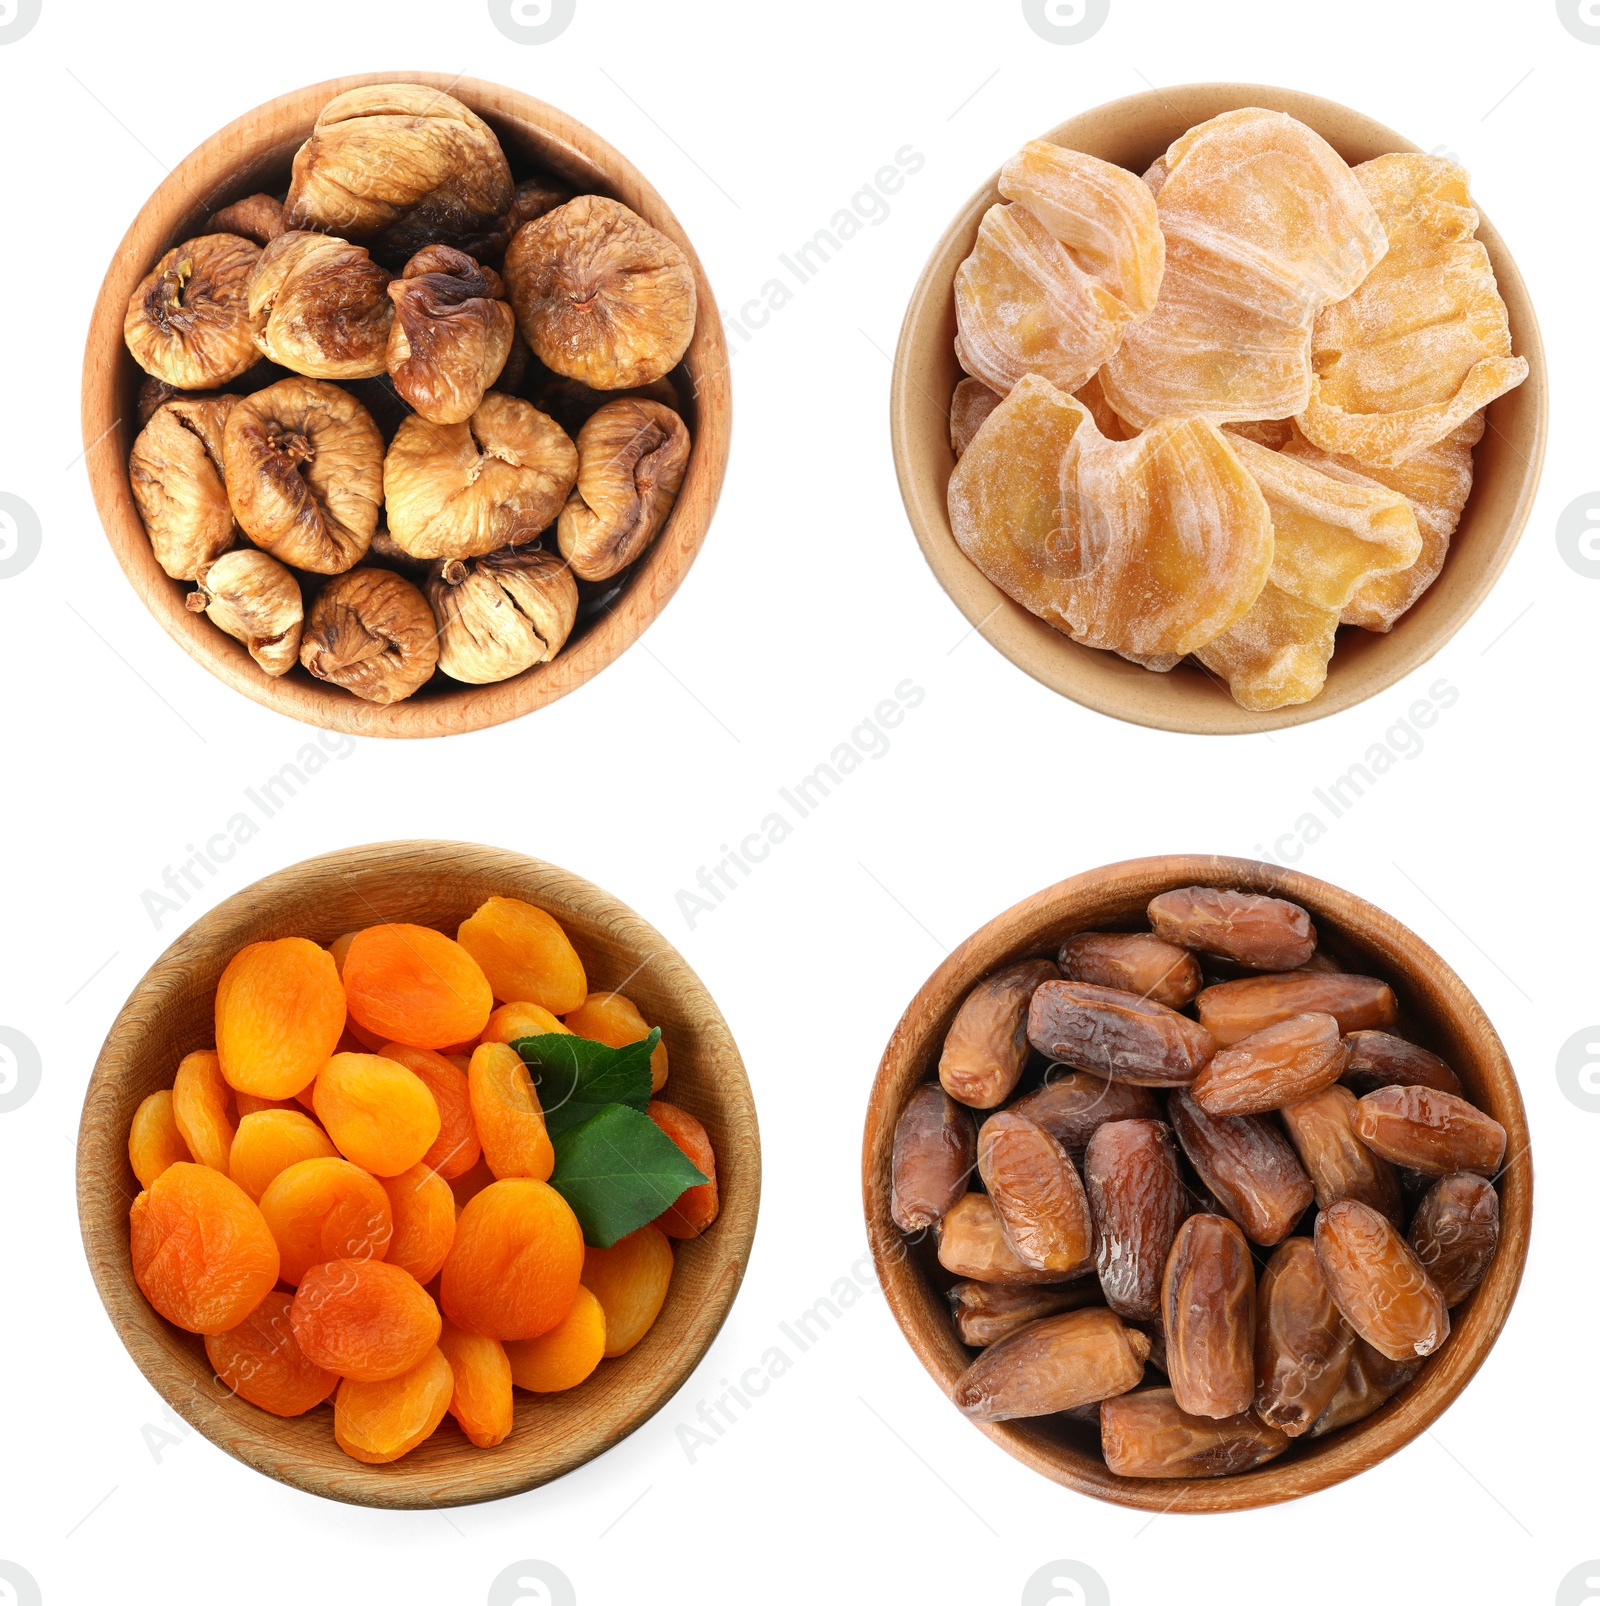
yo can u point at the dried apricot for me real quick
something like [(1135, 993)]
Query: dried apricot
[(279, 1012), (262, 1362), (514, 1267), (154, 1141), (380, 1422), (695, 1208), (525, 954), (567, 1354), (456, 1148), (521, 1019), (505, 1110), (202, 1254), (321, 1210), (200, 1108), (611, 1019), (630, 1280), (364, 1319), (379, 1114), (270, 1141), (424, 1212), (249, 1104), (470, 1183), (414, 985), (481, 1398)]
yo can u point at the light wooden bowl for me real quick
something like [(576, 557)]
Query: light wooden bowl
[(1132, 133), (1437, 1009), (437, 884), (253, 153)]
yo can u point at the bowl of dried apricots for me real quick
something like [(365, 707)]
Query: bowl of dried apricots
[(418, 1174), (1219, 408), (1197, 1184)]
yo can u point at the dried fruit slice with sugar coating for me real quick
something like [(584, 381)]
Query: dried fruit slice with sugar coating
[(202, 1254), (1149, 546), (279, 1012), (414, 985), (380, 1115), (200, 1108), (262, 1362), (695, 1208), (513, 1269), (321, 1210), (364, 1319), (525, 954), (154, 1141), (630, 1279), (567, 1354), (506, 1113), (456, 1148), (1424, 342), (481, 1399), (270, 1141), (380, 1422), (971, 403), (424, 1212), (611, 1019)]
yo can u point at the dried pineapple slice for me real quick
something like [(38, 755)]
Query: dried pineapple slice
[(1424, 342)]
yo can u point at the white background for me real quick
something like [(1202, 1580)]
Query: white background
[(851, 1479)]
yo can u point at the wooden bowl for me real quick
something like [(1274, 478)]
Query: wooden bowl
[(254, 153), (1438, 1012), (437, 884), (1133, 132)]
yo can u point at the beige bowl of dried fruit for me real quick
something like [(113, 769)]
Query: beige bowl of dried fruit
[(1132, 133), (1439, 1013), (253, 154), (435, 884)]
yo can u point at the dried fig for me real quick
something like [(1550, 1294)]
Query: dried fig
[(600, 295), (502, 613), (256, 600), (304, 466), (189, 321), (372, 632), (399, 166), (175, 469), (256, 217), (632, 456), (321, 307), (460, 490), (451, 334)]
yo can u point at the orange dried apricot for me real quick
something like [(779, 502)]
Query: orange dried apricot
[(424, 1211), (379, 1114), (630, 1280), (154, 1141), (279, 1012), (696, 1208), (339, 947), (456, 1148), (505, 1110), (481, 1398), (202, 1254), (270, 1141), (513, 1269), (567, 1354), (522, 1019), (200, 1107), (321, 1210), (414, 985), (611, 1019), (379, 1422), (525, 954), (364, 1319), (262, 1362)]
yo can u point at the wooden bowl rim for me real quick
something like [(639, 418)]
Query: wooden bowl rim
[(1100, 680), (488, 1474), (194, 186), (912, 1054)]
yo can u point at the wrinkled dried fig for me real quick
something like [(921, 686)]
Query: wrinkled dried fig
[(502, 614), (600, 295), (189, 321), (372, 632), (256, 600), (632, 456), (304, 465), (256, 217), (451, 334), (497, 480), (532, 198), (396, 167), (321, 307), (175, 469)]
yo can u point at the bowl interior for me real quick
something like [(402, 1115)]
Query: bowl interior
[(437, 884), (255, 154), (1132, 133), (1437, 1011)]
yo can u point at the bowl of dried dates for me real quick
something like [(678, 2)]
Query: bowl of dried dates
[(1219, 408), (418, 1174), (405, 404), (1197, 1184)]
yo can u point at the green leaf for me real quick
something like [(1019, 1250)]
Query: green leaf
[(577, 1078), (618, 1170)]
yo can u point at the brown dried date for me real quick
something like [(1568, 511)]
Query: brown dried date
[(1147, 1435), (1429, 1131), (1340, 1164), (1137, 1201), (1263, 933), (987, 1312), (1208, 1312), (1036, 1190), (1455, 1232), (987, 1044), (1133, 962), (1234, 1010), (1380, 1059), (934, 1148), (1303, 1344), (972, 1243), (1051, 1365), (1369, 1380), (1272, 1067), (1378, 1283), (1117, 1034), (1073, 1105), (1247, 1163)]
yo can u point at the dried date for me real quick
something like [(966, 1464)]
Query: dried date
[(1133, 962), (1340, 1164), (972, 1243), (1036, 1190), (1369, 1381), (1378, 1283), (1380, 1059), (1273, 1067), (1429, 1131), (1208, 1313), (1303, 1344), (1455, 1232), (984, 1313), (1117, 1035), (987, 1044), (1052, 1365), (1073, 1105), (1137, 1201), (935, 1145), (1147, 1435), (1233, 1010), (1248, 1164), (1263, 933)]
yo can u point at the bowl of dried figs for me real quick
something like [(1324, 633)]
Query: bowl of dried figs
[(418, 1174), (405, 404), (1197, 1184), (1219, 408)]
